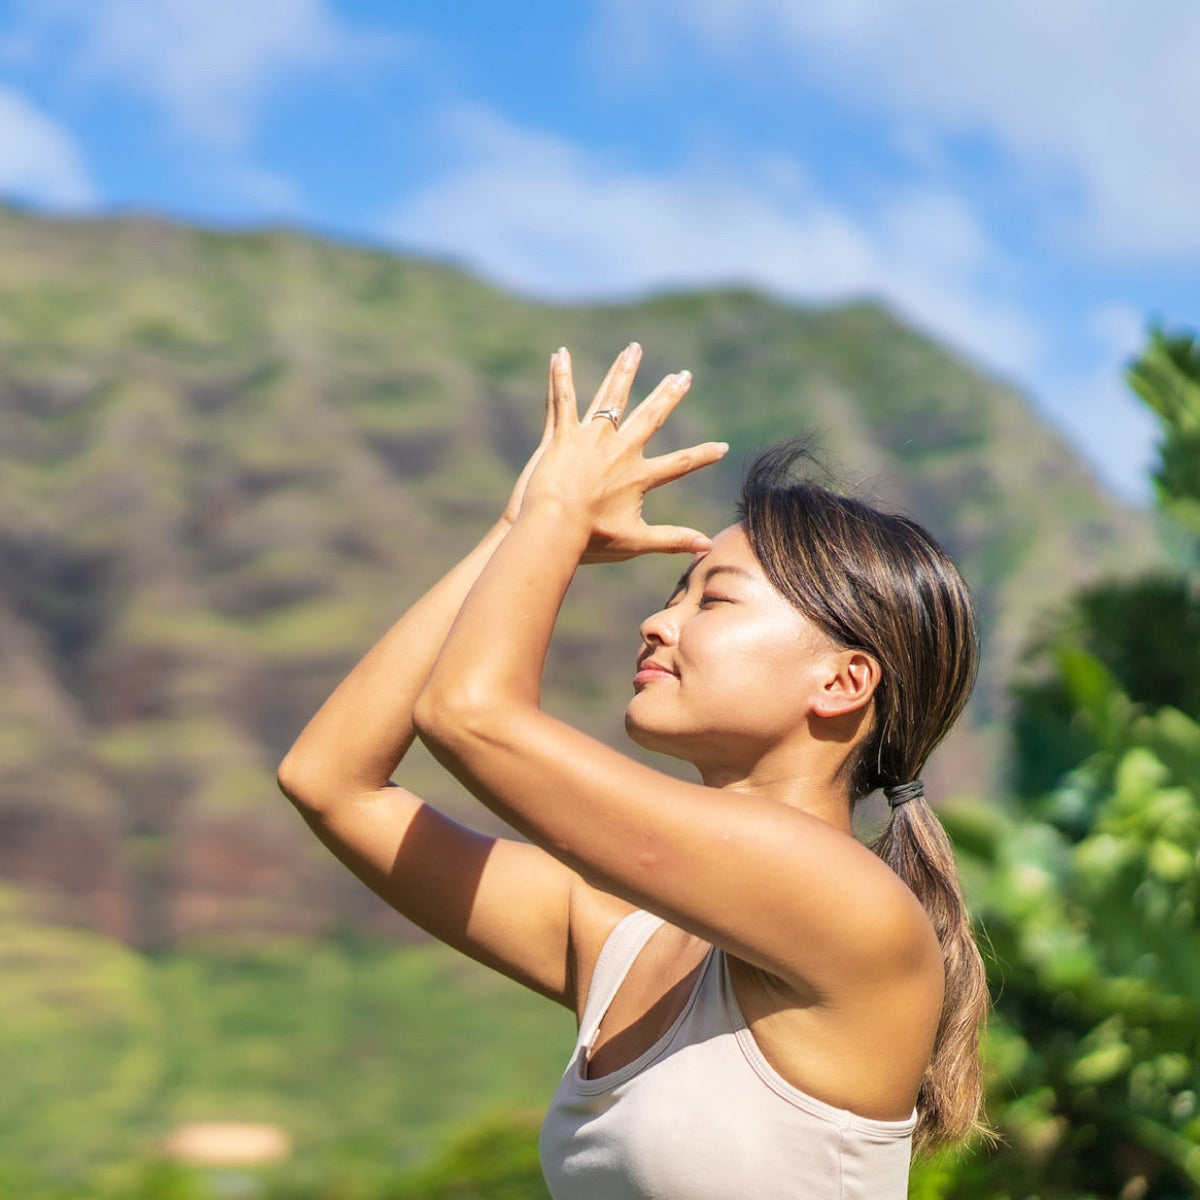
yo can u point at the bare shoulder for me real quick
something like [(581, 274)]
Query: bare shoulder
[(855, 925), (854, 1024), (899, 919)]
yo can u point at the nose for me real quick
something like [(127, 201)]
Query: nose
[(660, 628)]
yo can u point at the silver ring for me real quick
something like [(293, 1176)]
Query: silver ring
[(612, 414)]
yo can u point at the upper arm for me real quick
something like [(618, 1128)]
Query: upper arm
[(773, 885), (504, 903)]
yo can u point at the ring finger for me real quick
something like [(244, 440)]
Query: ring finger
[(613, 394)]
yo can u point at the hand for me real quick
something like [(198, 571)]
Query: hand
[(596, 472)]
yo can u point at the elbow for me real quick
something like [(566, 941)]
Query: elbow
[(449, 721), (426, 715), (290, 779), (441, 718), (299, 783)]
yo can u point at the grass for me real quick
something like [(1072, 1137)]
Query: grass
[(372, 1056)]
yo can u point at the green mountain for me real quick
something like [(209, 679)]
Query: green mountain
[(229, 460)]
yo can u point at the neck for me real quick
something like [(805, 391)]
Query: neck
[(816, 789)]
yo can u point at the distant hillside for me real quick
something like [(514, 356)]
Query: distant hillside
[(228, 461)]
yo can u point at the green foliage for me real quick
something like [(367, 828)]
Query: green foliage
[(1167, 378), (370, 1057), (1089, 895), (401, 1037), (495, 1159), (79, 1037), (1095, 955), (1144, 632)]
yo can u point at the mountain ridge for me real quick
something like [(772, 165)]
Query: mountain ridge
[(229, 459)]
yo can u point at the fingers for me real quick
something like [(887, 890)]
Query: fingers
[(679, 463), (548, 425), (614, 391), (673, 539), (613, 395), (561, 402), (649, 416)]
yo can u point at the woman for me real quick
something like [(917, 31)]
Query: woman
[(767, 1008)]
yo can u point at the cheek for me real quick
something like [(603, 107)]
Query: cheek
[(756, 669)]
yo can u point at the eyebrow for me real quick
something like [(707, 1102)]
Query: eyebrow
[(720, 568), (728, 569)]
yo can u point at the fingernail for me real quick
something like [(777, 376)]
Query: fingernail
[(701, 545), (684, 377), (723, 447)]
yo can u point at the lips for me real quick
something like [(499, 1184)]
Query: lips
[(649, 670)]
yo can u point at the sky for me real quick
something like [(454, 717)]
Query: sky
[(1019, 180)]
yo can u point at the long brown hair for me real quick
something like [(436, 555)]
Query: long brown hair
[(878, 582)]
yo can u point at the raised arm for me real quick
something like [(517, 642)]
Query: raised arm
[(778, 887), (503, 902)]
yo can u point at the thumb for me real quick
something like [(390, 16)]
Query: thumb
[(675, 539)]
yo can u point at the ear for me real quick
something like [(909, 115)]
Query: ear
[(848, 685)]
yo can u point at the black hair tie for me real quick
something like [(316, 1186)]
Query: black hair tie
[(902, 793)]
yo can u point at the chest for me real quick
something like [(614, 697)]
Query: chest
[(807, 1046), (649, 1002), (699, 1115)]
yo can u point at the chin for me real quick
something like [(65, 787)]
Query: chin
[(650, 737)]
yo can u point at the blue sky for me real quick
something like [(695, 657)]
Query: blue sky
[(1021, 180)]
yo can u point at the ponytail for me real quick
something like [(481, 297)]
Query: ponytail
[(878, 582), (950, 1100)]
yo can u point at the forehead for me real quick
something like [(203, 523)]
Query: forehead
[(732, 546), (731, 551)]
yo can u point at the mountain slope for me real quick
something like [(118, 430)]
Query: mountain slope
[(228, 461)]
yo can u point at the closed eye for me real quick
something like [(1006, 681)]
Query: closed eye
[(710, 598)]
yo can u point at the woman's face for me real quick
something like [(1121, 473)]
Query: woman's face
[(729, 669)]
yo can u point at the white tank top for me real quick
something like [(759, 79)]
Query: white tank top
[(701, 1115)]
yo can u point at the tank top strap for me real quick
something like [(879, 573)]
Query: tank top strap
[(617, 955)]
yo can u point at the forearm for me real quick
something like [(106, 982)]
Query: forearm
[(479, 712), (492, 659), (359, 735)]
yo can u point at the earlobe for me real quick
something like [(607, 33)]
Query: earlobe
[(849, 686)]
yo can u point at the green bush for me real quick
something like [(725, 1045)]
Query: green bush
[(495, 1159), (370, 1056), (1094, 953)]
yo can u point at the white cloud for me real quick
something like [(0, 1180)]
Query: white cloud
[(1092, 102), (39, 160), (209, 63), (269, 194), (540, 215), (537, 214)]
